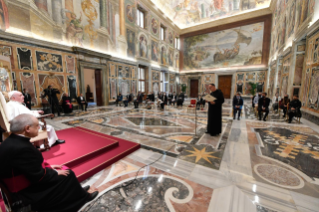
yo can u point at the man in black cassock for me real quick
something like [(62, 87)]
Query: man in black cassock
[(214, 122), (27, 98), (52, 98), (46, 189)]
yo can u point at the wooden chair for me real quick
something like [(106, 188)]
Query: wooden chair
[(192, 105), (42, 137)]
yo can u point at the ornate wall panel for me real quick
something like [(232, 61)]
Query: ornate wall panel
[(28, 82)]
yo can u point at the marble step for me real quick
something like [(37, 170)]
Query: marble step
[(230, 199)]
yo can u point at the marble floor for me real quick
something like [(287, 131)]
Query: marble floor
[(257, 166)]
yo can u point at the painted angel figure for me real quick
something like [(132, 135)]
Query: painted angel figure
[(75, 31)]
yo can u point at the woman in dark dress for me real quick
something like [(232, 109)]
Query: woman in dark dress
[(66, 104)]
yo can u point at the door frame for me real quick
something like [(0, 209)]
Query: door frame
[(105, 78), (188, 90), (233, 81)]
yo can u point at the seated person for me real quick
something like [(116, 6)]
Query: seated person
[(256, 99), (294, 108), (200, 101), (173, 99), (275, 102), (128, 99), (45, 187), (139, 99), (16, 108), (82, 101), (66, 104), (160, 96), (180, 99), (284, 104), (263, 105), (238, 103), (119, 98), (151, 97), (164, 102)]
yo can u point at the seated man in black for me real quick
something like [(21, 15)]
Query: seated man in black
[(81, 101), (294, 108), (139, 99), (238, 103), (200, 101), (173, 99), (119, 98), (263, 105), (127, 99), (45, 188), (151, 97), (164, 101)]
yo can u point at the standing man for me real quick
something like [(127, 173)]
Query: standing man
[(238, 103), (263, 106), (27, 98), (214, 122), (82, 101), (164, 101), (294, 108), (53, 99)]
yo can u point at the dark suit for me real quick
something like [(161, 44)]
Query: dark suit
[(52, 98), (200, 101), (263, 102), (27, 98), (151, 97), (138, 100), (43, 188), (164, 101), (80, 102), (180, 99), (296, 104), (237, 102)]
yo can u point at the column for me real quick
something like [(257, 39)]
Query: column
[(57, 11), (121, 39), (103, 13), (42, 4)]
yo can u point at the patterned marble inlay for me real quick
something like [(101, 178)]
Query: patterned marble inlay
[(151, 122), (264, 209), (279, 176)]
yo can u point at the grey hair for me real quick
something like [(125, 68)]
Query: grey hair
[(18, 124)]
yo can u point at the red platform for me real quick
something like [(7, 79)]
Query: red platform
[(87, 152)]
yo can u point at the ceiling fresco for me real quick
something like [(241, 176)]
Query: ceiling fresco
[(188, 13)]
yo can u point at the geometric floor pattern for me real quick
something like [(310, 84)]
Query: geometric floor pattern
[(253, 165)]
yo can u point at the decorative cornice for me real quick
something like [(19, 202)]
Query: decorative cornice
[(272, 5), (83, 51), (235, 18)]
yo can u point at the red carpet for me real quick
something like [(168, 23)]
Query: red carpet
[(87, 152)]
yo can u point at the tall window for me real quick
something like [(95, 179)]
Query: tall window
[(177, 43), (162, 33), (141, 79), (164, 81), (140, 17)]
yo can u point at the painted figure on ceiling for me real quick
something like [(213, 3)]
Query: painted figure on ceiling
[(4, 16), (74, 31)]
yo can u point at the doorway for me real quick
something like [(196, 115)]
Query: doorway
[(224, 84), (194, 88), (93, 79), (98, 87)]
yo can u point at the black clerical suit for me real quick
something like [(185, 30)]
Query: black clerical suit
[(151, 97), (296, 104), (52, 98), (27, 98), (263, 103), (47, 191), (238, 103), (164, 101), (180, 99), (138, 100), (214, 122), (80, 102)]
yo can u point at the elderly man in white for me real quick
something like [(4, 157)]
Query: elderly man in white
[(15, 108)]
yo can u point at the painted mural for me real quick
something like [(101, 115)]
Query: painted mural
[(28, 82), (187, 13), (70, 64), (314, 89), (57, 81), (238, 46), (143, 46), (155, 51), (305, 87), (298, 69), (131, 42)]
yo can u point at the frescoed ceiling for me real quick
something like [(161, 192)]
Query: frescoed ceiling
[(188, 13)]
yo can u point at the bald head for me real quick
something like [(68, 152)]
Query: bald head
[(25, 124), (16, 96)]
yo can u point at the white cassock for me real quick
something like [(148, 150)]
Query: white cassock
[(16, 108)]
